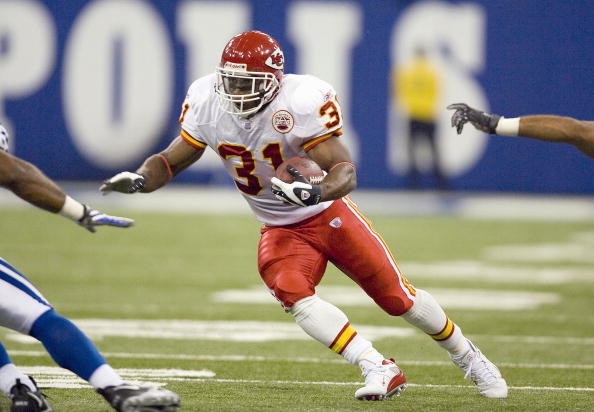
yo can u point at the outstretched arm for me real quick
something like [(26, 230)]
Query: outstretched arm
[(559, 129), (29, 183), (160, 168), (156, 171), (32, 185), (548, 128)]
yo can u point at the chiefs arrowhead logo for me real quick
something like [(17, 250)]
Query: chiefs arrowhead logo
[(276, 60)]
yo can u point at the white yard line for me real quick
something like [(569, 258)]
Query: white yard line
[(418, 385), (256, 331), (243, 358), (450, 298), (55, 377)]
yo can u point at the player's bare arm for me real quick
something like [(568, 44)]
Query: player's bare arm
[(550, 128), (156, 171), (334, 158), (341, 179), (559, 129), (29, 183), (160, 168)]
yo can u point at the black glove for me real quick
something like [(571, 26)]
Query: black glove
[(299, 193), (481, 120)]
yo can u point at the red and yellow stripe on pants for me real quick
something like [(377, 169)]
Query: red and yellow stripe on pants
[(446, 332), (344, 337)]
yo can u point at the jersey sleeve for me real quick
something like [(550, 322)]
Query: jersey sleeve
[(319, 111), (187, 119)]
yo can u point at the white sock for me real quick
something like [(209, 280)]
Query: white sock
[(8, 376), (369, 359), (329, 325), (105, 376), (427, 315)]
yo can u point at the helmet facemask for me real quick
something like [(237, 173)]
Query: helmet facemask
[(244, 92)]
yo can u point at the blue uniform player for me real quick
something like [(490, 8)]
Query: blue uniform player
[(24, 309)]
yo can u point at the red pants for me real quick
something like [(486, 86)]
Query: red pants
[(292, 259)]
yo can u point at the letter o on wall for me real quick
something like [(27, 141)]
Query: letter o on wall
[(117, 81)]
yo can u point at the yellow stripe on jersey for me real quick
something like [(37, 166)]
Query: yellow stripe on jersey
[(193, 142), (446, 332), (405, 282), (342, 340), (310, 144)]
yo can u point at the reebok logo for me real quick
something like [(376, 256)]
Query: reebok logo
[(336, 223)]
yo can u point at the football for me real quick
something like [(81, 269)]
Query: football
[(310, 170)]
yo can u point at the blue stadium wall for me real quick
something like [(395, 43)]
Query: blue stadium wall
[(89, 88)]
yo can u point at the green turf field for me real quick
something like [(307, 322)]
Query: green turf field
[(233, 348)]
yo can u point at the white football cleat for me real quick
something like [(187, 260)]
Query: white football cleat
[(382, 381), (482, 372)]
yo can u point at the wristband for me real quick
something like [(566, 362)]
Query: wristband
[(341, 163), (508, 127), (167, 165), (72, 209)]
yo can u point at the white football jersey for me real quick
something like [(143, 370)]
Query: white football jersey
[(303, 114)]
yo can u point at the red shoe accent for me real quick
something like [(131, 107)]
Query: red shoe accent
[(395, 384)]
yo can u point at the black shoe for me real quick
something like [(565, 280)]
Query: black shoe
[(26, 400), (134, 398)]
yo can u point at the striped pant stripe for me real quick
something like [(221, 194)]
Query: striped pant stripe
[(12, 276), (404, 284)]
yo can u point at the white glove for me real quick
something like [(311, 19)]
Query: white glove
[(298, 193), (3, 138), (124, 182), (93, 218)]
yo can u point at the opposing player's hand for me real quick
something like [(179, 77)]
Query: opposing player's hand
[(480, 120), (93, 218), (299, 193), (124, 182), (3, 138)]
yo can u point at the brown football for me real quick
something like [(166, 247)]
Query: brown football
[(307, 167)]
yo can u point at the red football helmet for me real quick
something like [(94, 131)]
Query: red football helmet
[(250, 72)]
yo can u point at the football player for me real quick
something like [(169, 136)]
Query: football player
[(550, 128), (254, 116), (24, 309)]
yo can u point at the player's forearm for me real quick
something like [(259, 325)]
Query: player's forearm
[(551, 128), (559, 129), (30, 184), (339, 182), (156, 171)]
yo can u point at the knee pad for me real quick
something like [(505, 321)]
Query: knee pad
[(289, 289)]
